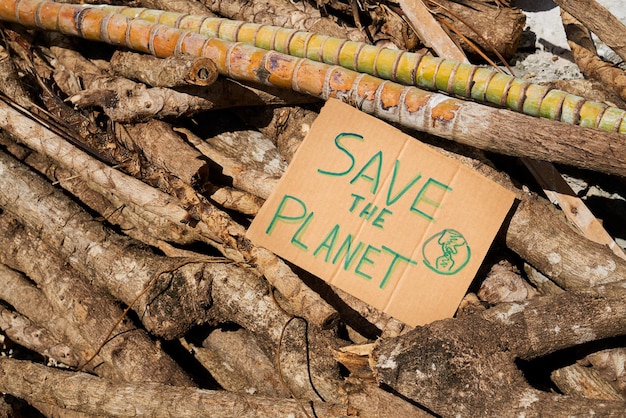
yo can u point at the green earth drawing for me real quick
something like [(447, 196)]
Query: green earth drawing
[(446, 252)]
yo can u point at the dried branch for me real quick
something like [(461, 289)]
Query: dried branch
[(455, 372), (590, 64), (283, 13), (539, 235), (600, 21), (169, 72), (92, 395), (81, 316)]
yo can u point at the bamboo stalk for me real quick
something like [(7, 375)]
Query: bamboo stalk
[(453, 77)]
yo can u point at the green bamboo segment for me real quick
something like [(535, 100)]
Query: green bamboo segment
[(498, 89), (534, 96), (483, 85), (551, 104), (591, 114), (444, 74), (612, 119), (481, 79), (462, 81)]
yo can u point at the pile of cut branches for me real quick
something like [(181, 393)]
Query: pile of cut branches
[(127, 182)]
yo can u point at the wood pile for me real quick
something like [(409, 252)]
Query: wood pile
[(128, 288)]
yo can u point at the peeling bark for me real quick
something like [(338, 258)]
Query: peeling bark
[(89, 394), (466, 366), (81, 316)]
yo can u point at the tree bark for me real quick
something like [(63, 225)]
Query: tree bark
[(466, 366), (283, 13), (600, 21), (216, 226), (538, 233), (79, 315), (590, 64), (92, 395)]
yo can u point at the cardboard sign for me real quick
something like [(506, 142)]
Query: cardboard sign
[(382, 216)]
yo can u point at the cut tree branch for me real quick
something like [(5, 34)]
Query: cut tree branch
[(600, 21), (92, 395), (466, 366)]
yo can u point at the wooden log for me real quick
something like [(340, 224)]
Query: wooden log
[(245, 370), (24, 332), (305, 360), (248, 157), (92, 395), (164, 149), (543, 284), (590, 64), (538, 234), (169, 72), (466, 366), (286, 126), (610, 363), (374, 402), (600, 21), (35, 314), (134, 220), (584, 382), (83, 316)]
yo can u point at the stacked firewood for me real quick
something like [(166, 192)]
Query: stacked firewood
[(128, 288)]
